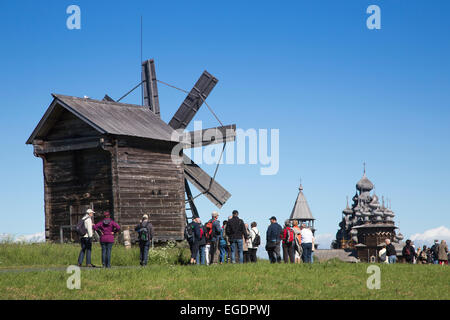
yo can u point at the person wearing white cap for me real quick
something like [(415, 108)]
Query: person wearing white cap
[(213, 233), (86, 233), (145, 236)]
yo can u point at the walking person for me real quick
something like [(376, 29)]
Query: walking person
[(288, 243), (86, 233), (307, 239), (408, 252), (298, 242), (145, 236), (253, 242), (213, 230), (236, 232), (273, 237), (107, 228), (443, 253), (391, 253)]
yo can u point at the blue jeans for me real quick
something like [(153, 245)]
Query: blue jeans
[(223, 252), (144, 246), (201, 257), (238, 243), (307, 250), (106, 254), (86, 247), (392, 259)]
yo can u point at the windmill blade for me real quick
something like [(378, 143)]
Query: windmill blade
[(149, 83), (201, 138), (193, 101), (205, 183)]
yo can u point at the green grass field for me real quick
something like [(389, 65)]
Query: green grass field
[(168, 278)]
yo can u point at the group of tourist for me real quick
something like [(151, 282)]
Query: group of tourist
[(106, 230), (236, 241), (436, 254), (213, 243)]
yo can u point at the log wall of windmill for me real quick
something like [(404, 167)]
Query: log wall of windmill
[(74, 180), (149, 182)]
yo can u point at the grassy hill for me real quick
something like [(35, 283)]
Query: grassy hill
[(25, 274)]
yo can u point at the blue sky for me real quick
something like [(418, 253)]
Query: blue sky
[(339, 93)]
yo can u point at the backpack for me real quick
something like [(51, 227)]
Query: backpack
[(202, 231), (143, 232), (407, 251), (257, 241), (189, 232), (81, 228), (288, 235), (436, 250), (209, 230)]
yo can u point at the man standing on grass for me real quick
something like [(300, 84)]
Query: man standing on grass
[(307, 239), (236, 232), (86, 239), (213, 233), (273, 237), (145, 236), (390, 252)]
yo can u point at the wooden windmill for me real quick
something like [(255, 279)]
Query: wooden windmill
[(113, 156)]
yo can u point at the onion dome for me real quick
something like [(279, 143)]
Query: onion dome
[(365, 196), (374, 203), (355, 198), (364, 184), (366, 213), (399, 236), (347, 210), (378, 212), (375, 197), (388, 212)]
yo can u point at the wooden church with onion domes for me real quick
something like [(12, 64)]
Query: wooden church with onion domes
[(367, 223)]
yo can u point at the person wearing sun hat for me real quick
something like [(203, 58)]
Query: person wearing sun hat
[(107, 228), (145, 236), (86, 239)]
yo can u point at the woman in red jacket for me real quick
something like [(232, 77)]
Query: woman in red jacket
[(107, 228)]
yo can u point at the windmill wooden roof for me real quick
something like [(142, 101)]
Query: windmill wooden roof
[(301, 209), (107, 117)]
